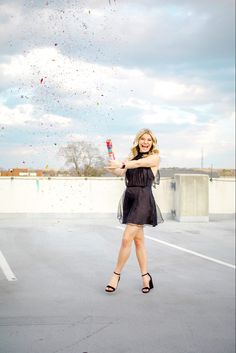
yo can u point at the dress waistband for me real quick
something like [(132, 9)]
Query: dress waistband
[(139, 186)]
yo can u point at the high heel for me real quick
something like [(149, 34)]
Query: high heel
[(147, 289), (112, 289)]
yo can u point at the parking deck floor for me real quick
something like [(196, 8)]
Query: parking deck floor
[(62, 263)]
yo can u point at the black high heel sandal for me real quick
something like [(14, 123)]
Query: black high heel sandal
[(113, 288), (147, 289)]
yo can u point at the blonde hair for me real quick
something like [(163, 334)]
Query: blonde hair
[(135, 147)]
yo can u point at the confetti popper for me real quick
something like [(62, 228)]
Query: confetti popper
[(109, 148)]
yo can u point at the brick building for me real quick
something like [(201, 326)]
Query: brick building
[(21, 172)]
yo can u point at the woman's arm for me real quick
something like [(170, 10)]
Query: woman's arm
[(117, 171), (150, 161)]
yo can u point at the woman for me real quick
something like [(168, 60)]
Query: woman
[(137, 206)]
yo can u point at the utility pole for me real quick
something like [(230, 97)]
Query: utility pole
[(211, 172), (202, 159)]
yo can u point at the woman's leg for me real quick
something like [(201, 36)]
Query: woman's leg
[(125, 249), (141, 254)]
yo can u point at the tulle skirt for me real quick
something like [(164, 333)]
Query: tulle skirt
[(137, 206)]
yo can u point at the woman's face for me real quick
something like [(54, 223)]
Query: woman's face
[(145, 143)]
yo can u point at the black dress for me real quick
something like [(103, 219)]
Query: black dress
[(137, 204)]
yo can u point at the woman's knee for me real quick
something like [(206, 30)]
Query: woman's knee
[(138, 242), (126, 242)]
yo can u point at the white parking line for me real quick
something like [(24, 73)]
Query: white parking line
[(188, 251), (6, 268)]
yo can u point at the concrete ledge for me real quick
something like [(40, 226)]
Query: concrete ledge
[(221, 216), (193, 219), (78, 195)]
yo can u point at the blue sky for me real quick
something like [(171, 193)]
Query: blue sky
[(93, 70)]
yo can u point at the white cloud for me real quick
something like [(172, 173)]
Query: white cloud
[(46, 70), (169, 116), (26, 114), (179, 91), (18, 115), (50, 77), (184, 147), (218, 135), (56, 120), (154, 114)]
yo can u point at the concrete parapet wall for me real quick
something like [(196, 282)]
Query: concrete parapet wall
[(222, 196), (192, 197), (60, 195), (101, 195)]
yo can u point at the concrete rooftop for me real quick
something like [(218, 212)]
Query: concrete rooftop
[(63, 262)]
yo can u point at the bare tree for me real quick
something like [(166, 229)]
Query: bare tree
[(85, 159)]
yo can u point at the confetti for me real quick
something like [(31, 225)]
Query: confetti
[(42, 79)]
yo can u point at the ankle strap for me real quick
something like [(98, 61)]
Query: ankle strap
[(145, 274), (118, 274)]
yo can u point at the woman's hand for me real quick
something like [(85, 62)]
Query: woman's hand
[(114, 167), (113, 164)]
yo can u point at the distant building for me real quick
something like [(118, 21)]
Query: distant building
[(21, 172), (170, 172)]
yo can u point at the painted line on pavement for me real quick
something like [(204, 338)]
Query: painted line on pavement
[(6, 268), (188, 251)]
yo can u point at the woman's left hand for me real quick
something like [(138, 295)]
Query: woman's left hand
[(113, 164)]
